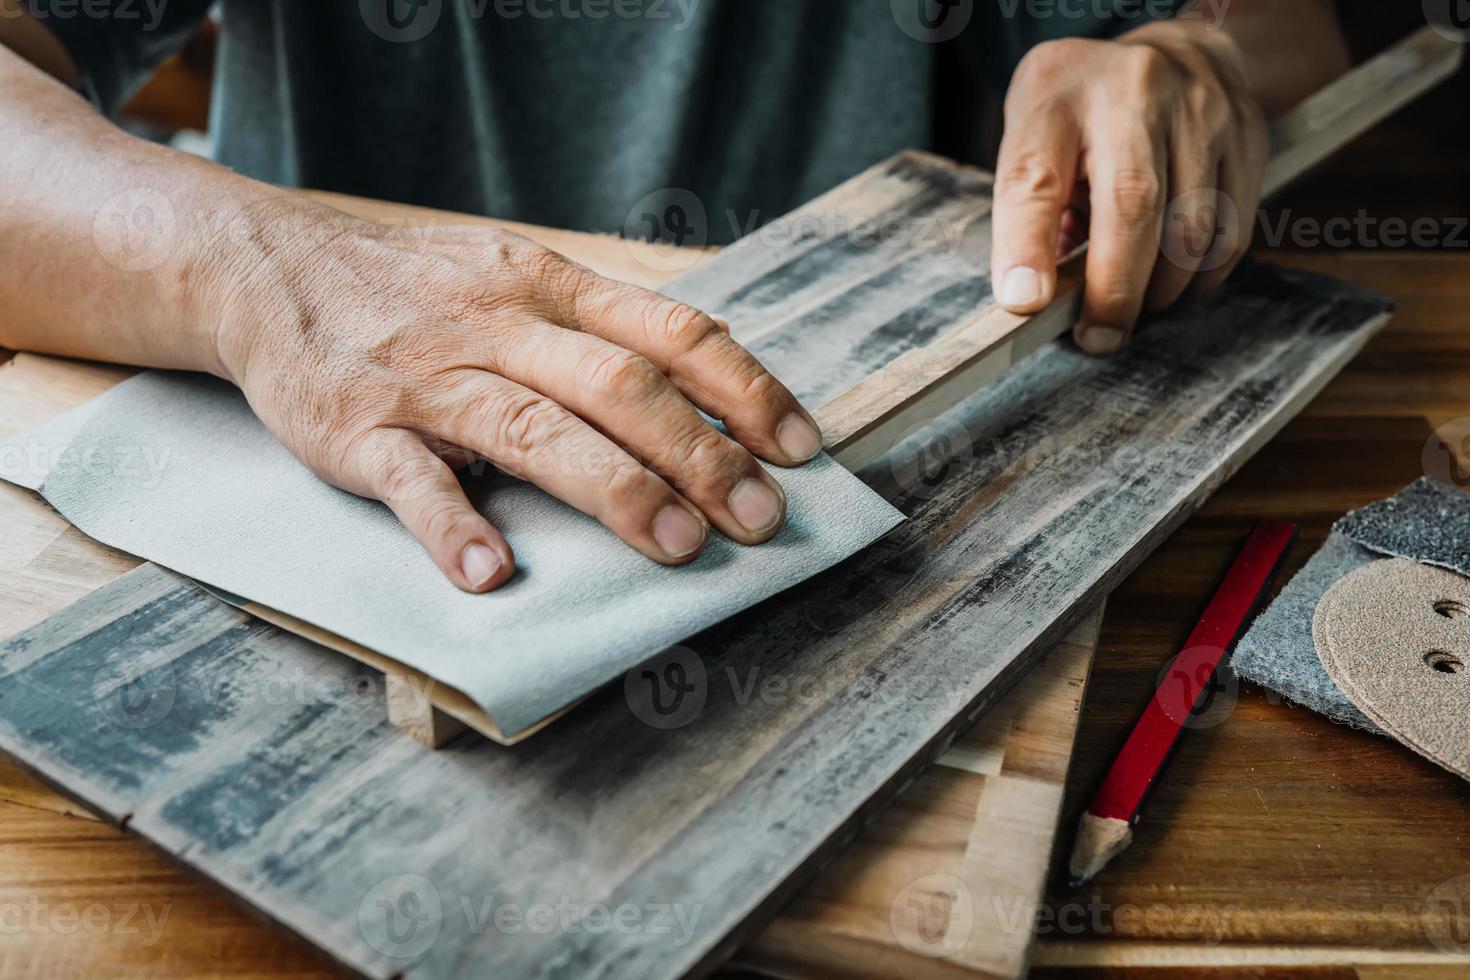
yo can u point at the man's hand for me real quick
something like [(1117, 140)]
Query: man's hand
[(1102, 138), (381, 357)]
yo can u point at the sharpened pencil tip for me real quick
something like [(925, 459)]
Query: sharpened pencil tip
[(1099, 840)]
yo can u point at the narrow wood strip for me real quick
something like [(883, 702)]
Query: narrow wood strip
[(859, 424)]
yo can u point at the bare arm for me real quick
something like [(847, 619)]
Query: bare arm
[(1152, 147), (382, 356)]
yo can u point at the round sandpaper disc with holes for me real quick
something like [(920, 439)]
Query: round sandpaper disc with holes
[(1394, 635)]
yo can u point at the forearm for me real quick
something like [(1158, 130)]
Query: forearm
[(1284, 49), (110, 246)]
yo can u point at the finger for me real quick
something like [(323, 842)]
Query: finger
[(1127, 176), (631, 401), (1035, 175), (1240, 185), (537, 440), (1190, 230), (710, 368), (394, 466)]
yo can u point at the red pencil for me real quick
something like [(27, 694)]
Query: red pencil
[(1107, 826)]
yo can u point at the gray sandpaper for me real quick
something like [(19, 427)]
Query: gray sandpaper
[(1278, 653), (176, 468), (1428, 521)]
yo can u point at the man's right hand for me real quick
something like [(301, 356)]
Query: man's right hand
[(382, 357)]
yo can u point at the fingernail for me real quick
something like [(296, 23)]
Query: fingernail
[(479, 563), (1022, 287), (677, 531), (1096, 338), (798, 438), (720, 322), (755, 506)]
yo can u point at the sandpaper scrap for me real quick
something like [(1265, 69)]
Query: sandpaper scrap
[(1428, 521), (1278, 652), (1395, 636)]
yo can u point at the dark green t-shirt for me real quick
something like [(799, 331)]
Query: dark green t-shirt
[(572, 112)]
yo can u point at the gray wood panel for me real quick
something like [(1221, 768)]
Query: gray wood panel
[(266, 763)]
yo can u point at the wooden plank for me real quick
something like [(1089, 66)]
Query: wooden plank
[(818, 706), (1358, 441), (947, 881), (818, 240)]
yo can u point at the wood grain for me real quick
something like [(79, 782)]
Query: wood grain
[(310, 806), (1360, 440), (947, 880)]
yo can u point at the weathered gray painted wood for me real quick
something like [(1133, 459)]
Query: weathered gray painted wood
[(803, 713)]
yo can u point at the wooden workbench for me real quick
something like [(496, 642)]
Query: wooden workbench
[(1277, 839)]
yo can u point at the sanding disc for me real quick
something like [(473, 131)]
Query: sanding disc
[(1394, 635)]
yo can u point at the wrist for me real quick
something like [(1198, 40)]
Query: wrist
[(257, 271), (1197, 47)]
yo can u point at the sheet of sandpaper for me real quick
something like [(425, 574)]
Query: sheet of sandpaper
[(1428, 521), (176, 468), (1278, 652)]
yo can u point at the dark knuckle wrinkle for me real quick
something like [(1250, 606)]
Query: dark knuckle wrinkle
[(527, 423), (624, 374), (1033, 176), (1137, 195)]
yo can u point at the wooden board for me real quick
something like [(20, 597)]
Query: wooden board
[(1017, 752), (1280, 843), (1070, 470), (946, 882), (1359, 440)]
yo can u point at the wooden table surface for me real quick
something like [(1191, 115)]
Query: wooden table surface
[(1278, 843)]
